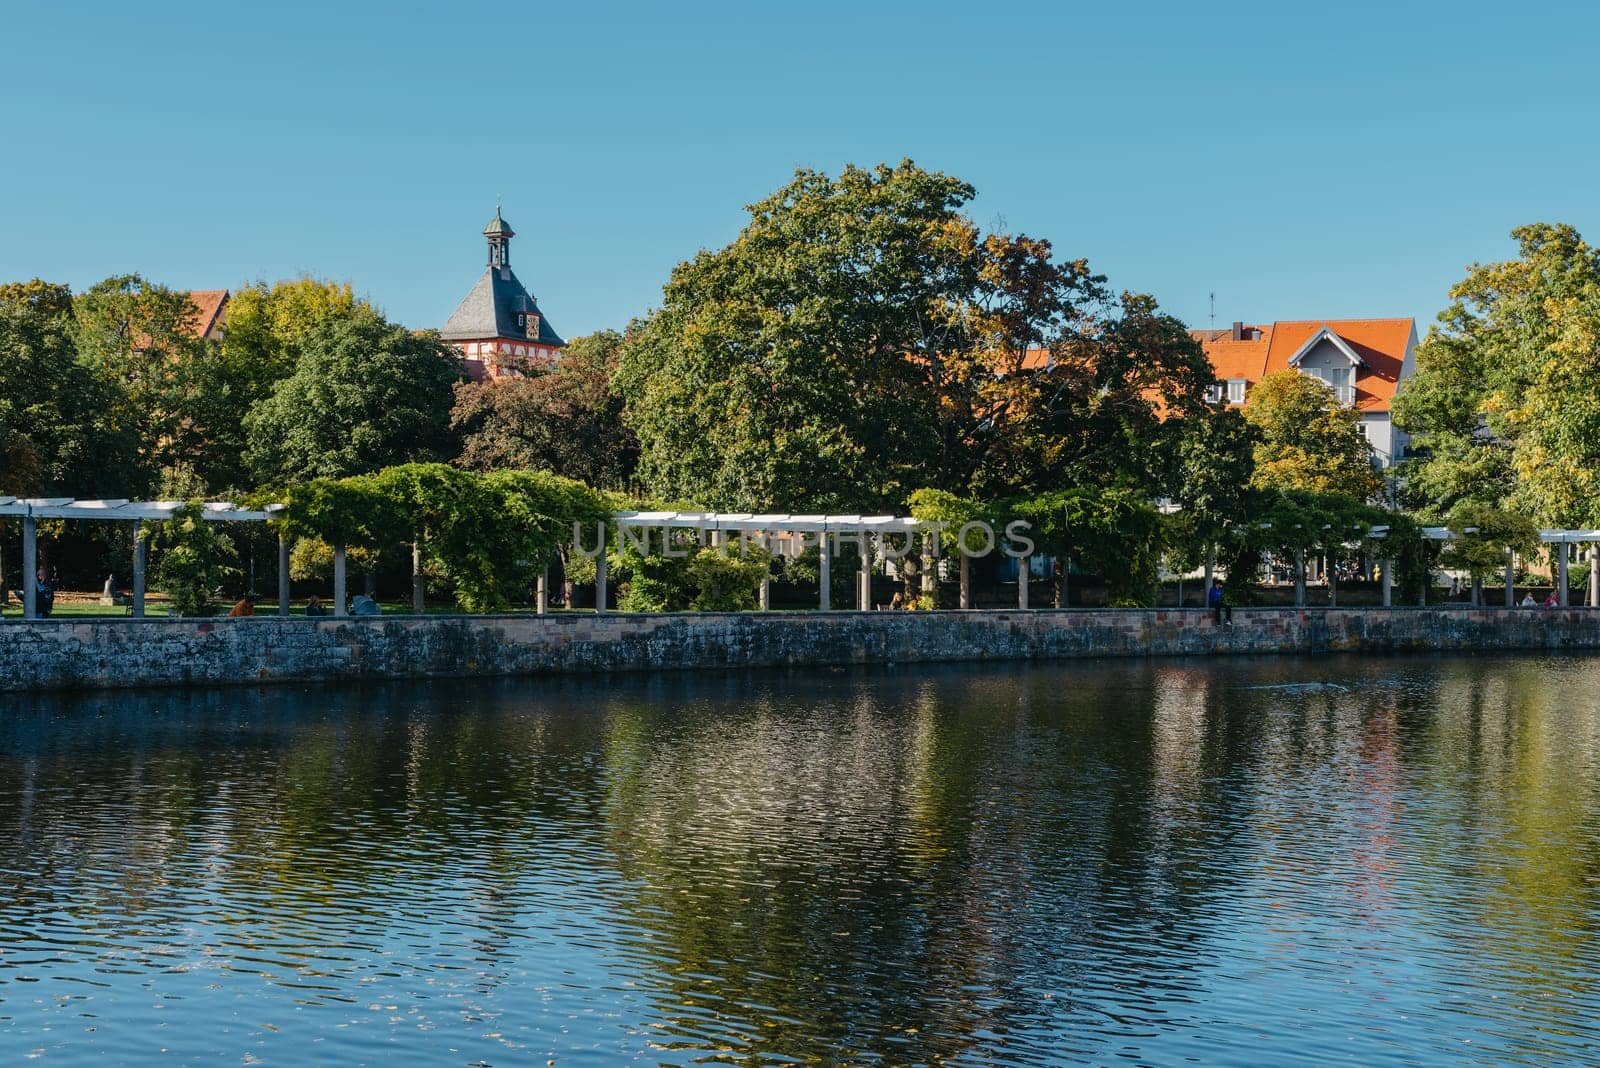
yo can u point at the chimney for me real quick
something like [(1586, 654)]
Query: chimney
[(1238, 331)]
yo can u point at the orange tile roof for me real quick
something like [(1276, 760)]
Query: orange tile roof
[(210, 303), (1381, 344)]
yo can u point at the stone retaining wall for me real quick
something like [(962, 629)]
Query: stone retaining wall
[(64, 654)]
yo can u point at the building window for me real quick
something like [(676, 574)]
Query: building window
[(1337, 379), (1236, 390), (1214, 394), (522, 321)]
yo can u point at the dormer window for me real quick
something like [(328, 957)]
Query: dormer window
[(1214, 394), (522, 321), (1236, 388)]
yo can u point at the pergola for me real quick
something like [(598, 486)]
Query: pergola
[(1563, 538), (713, 527), (32, 509), (633, 527)]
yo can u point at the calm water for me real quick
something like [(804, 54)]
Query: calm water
[(1141, 863)]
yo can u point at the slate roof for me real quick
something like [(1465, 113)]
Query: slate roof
[(490, 310)]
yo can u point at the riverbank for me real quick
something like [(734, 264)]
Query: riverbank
[(123, 653)]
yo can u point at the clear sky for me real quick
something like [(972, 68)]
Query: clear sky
[(1300, 161)]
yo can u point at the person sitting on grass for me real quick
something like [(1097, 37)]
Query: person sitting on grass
[(246, 606)]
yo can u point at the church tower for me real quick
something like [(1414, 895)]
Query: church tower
[(498, 327)]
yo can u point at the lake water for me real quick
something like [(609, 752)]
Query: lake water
[(1159, 863)]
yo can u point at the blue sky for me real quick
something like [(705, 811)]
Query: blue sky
[(1299, 164)]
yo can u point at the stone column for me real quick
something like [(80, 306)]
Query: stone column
[(340, 605), (1299, 578), (966, 580), (140, 556), (765, 603), (541, 593), (1561, 575), (1511, 580), (1594, 576), (600, 591), (419, 584), (30, 567), (825, 558), (1211, 569), (283, 575), (1333, 586), (1388, 584), (864, 580), (1022, 581)]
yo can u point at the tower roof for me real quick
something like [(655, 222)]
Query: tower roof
[(498, 227), (490, 310)]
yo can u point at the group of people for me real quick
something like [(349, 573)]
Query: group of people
[(362, 605), (1552, 601)]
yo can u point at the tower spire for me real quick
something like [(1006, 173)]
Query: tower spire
[(499, 233)]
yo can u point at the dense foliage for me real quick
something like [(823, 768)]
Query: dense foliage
[(566, 419), (192, 559), (1503, 404), (861, 338)]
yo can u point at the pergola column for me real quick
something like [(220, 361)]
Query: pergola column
[(1511, 580), (1388, 584), (340, 607), (1594, 576), (419, 584), (864, 581), (541, 593), (600, 591), (965, 600), (30, 567), (140, 553), (824, 556), (1022, 581), (1561, 575), (1299, 578), (283, 575)]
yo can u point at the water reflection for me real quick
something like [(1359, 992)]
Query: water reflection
[(1033, 865)]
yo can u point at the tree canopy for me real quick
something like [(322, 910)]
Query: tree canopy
[(861, 337), (1307, 440), (364, 394), (1502, 405), (566, 419)]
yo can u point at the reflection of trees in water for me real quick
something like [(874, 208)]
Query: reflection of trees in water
[(968, 856), (323, 819), (930, 865)]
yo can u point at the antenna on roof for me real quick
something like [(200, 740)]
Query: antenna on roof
[(1213, 311)]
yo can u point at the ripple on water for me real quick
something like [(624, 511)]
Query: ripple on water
[(1154, 862)]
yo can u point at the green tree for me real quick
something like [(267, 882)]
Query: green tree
[(141, 338), (267, 327), (1215, 470), (1503, 404), (1308, 440), (567, 420), (193, 559), (781, 371), (365, 394), (1484, 539), (57, 428)]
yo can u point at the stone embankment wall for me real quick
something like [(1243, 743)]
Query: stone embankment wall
[(64, 654)]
